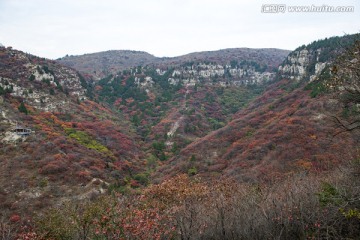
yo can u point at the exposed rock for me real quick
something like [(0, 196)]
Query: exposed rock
[(94, 188), (219, 74), (297, 65), (319, 67), (40, 83), (144, 82), (11, 137), (30, 193), (295, 68)]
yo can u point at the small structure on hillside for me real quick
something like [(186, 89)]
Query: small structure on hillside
[(22, 131)]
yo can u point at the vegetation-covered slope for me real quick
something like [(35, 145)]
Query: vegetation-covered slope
[(288, 128), (73, 140)]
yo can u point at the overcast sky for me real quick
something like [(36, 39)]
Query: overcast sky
[(54, 28)]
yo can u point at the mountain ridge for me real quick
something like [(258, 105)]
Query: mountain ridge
[(99, 65)]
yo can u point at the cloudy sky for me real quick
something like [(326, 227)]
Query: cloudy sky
[(54, 28)]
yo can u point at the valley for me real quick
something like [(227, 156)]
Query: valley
[(171, 137)]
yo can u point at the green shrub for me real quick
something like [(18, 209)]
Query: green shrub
[(86, 140), (329, 195), (142, 178), (32, 77), (22, 108), (192, 171)]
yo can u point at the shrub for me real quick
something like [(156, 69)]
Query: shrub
[(142, 178), (192, 171), (22, 108), (32, 77), (86, 140)]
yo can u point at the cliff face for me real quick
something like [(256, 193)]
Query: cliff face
[(308, 62), (245, 73), (206, 73), (303, 64)]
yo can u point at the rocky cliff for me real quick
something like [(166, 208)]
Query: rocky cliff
[(299, 62), (308, 62), (43, 84), (236, 74)]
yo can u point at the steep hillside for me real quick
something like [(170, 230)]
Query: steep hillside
[(102, 64), (288, 128), (171, 108), (55, 143)]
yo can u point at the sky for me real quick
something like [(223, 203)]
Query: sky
[(55, 28)]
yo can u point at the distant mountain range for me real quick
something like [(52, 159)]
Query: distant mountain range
[(102, 64)]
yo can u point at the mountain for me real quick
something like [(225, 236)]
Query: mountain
[(55, 143), (192, 99), (198, 111), (102, 64), (243, 145), (288, 128), (65, 136)]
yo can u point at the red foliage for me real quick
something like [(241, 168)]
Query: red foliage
[(98, 88), (266, 139), (15, 218), (118, 102)]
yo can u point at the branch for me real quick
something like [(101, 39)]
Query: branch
[(348, 127)]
